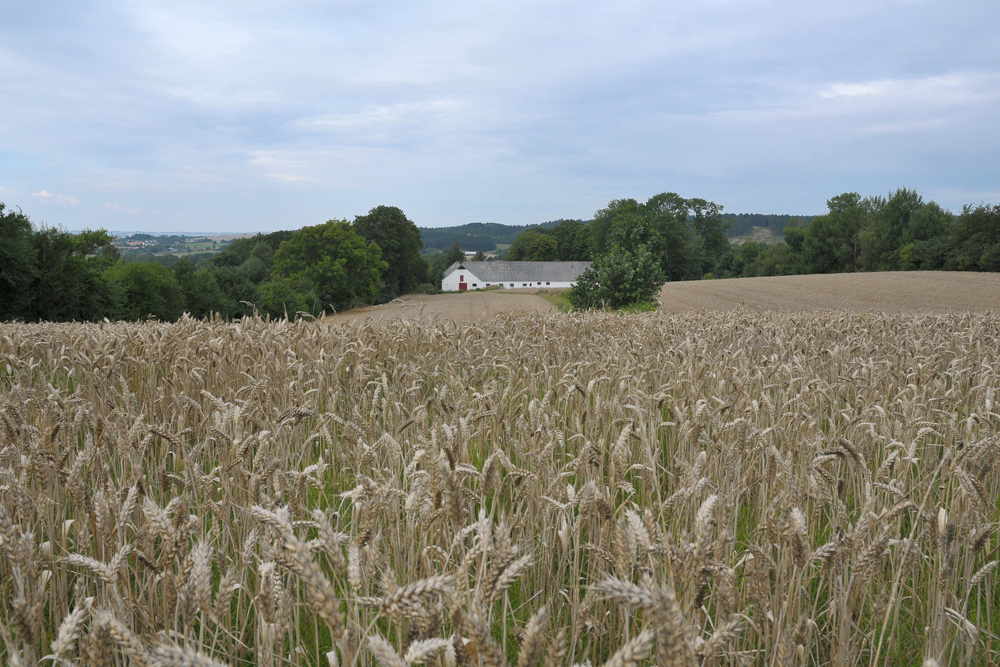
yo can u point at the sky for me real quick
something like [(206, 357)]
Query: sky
[(257, 116)]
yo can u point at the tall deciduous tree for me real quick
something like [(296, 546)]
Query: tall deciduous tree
[(70, 281), (534, 245), (17, 263), (399, 239), (333, 262), (573, 240), (455, 254), (600, 226), (977, 239)]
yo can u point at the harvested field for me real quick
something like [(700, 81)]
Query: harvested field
[(460, 307), (711, 488), (888, 292)]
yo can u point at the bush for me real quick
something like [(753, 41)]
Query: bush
[(621, 277)]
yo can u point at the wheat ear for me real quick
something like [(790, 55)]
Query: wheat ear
[(633, 652)]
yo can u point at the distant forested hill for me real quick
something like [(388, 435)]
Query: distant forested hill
[(743, 223), (475, 235), (486, 235)]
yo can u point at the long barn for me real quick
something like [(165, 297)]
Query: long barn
[(462, 276)]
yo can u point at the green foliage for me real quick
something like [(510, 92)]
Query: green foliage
[(17, 263), (49, 274), (337, 266), (147, 289), (567, 241), (680, 251), (436, 264), (688, 236), (605, 218), (240, 250), (285, 298), (69, 282), (397, 236), (747, 260), (706, 221), (900, 232), (639, 246), (485, 236), (534, 245), (202, 295), (455, 254), (977, 239), (572, 240), (625, 275)]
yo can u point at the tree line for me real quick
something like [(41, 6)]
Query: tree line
[(50, 274), (636, 247), (900, 232)]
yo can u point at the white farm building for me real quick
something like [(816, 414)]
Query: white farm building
[(462, 276)]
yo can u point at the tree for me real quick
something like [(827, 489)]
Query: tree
[(600, 226), (147, 289), (17, 264), (534, 245), (480, 256), (70, 281), (708, 224), (455, 254), (202, 295), (890, 224), (679, 255), (399, 239), (572, 240), (977, 239), (690, 234), (619, 277), (336, 265), (627, 274)]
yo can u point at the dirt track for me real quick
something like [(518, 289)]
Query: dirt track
[(460, 307), (898, 291)]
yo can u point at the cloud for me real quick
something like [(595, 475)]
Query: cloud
[(121, 209), (58, 199), (849, 90), (261, 116)]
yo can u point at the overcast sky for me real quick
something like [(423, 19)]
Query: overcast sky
[(254, 116)]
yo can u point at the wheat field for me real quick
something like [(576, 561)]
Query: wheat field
[(883, 291), (726, 488)]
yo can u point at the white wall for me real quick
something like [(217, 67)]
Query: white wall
[(451, 282)]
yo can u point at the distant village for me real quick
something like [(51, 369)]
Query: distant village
[(155, 244)]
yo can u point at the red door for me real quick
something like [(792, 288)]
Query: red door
[(463, 287)]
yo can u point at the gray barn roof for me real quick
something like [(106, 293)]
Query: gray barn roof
[(512, 272)]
